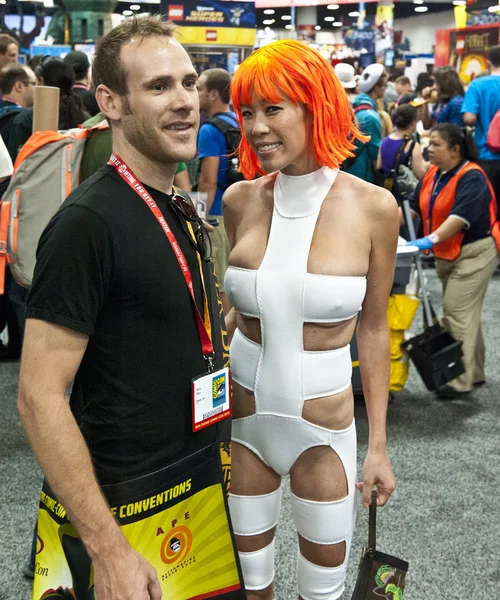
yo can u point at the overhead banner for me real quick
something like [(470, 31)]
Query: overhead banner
[(289, 3), (210, 13)]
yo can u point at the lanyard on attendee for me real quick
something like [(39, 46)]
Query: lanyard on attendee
[(11, 100), (204, 324)]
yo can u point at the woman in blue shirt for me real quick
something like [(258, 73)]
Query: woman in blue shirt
[(451, 95)]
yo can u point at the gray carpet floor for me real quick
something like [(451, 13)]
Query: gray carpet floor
[(444, 517)]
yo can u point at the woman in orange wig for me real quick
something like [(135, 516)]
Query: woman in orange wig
[(311, 246)]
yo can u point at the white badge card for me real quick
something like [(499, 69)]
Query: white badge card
[(211, 398)]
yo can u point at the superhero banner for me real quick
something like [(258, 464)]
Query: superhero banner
[(176, 518), (213, 13)]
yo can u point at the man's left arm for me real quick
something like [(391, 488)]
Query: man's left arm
[(208, 178), (211, 146), (470, 106)]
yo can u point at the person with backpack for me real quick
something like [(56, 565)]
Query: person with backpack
[(481, 109), (372, 84), (16, 86), (457, 206), (52, 72), (400, 149), (218, 140)]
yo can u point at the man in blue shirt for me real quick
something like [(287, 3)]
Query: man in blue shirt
[(372, 83), (213, 90), (481, 102)]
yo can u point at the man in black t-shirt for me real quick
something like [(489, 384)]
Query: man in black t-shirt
[(110, 309)]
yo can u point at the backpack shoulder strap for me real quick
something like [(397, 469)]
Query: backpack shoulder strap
[(361, 107), (5, 208), (222, 125), (399, 154)]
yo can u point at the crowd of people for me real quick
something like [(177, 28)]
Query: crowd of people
[(304, 247)]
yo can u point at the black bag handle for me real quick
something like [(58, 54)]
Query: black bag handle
[(372, 523)]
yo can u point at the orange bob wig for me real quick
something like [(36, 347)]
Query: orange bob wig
[(292, 69)]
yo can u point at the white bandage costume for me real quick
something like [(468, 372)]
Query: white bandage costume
[(282, 376)]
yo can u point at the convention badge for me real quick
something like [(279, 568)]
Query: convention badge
[(211, 398)]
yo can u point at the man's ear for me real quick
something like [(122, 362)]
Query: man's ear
[(214, 95), (18, 87), (110, 103)]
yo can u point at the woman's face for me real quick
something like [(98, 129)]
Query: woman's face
[(440, 154), (280, 135)]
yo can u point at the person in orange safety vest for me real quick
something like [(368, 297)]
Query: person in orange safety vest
[(457, 207)]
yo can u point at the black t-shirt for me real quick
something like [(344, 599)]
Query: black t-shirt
[(106, 269), (472, 202), (88, 100)]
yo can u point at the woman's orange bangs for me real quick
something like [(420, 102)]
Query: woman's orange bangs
[(291, 69)]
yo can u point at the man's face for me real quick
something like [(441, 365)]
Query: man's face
[(203, 94), (402, 88), (28, 87), (160, 115), (381, 86), (10, 55)]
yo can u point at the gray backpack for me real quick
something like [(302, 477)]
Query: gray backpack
[(46, 171)]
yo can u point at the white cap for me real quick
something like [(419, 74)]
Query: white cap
[(345, 73), (370, 77)]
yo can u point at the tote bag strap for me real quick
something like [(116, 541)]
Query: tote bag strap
[(372, 524)]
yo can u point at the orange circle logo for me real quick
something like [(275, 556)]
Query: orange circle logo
[(176, 545)]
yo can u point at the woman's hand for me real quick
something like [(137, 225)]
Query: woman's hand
[(377, 471)]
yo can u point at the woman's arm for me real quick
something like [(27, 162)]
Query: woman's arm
[(418, 164), (373, 345), (231, 323), (379, 158), (449, 228)]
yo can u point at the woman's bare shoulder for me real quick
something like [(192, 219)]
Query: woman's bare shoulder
[(375, 201), (237, 197)]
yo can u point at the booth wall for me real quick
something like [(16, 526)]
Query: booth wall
[(421, 29)]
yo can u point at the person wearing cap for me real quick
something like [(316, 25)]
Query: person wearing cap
[(81, 87), (346, 76), (372, 84)]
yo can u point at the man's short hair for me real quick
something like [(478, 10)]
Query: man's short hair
[(395, 73), (403, 80), (9, 76), (5, 41), (107, 68), (220, 80), (494, 56)]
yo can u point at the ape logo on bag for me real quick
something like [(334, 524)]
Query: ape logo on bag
[(176, 545), (388, 583), (39, 544)]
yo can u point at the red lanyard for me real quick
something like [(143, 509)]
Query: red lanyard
[(204, 327)]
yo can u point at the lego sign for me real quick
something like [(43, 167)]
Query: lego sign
[(223, 13)]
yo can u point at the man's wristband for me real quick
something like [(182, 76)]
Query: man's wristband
[(434, 238)]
